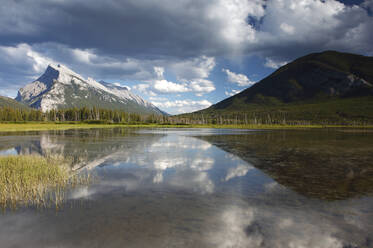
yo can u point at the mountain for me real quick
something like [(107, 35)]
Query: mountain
[(59, 87), (327, 86), (9, 102)]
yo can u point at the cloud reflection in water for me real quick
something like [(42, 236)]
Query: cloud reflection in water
[(176, 190)]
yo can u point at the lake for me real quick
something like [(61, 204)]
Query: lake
[(202, 188)]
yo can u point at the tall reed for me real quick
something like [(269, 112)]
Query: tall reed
[(34, 180)]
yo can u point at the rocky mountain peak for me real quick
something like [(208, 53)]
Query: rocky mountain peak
[(61, 87)]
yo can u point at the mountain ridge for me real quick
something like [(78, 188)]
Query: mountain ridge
[(295, 81), (60, 87), (9, 102), (326, 86)]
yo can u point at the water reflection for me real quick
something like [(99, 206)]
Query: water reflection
[(330, 165), (258, 226), (238, 171), (136, 160), (202, 188)]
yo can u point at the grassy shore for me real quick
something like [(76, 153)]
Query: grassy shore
[(35, 180), (14, 127)]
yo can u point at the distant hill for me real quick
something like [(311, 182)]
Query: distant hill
[(59, 87), (9, 102), (330, 86)]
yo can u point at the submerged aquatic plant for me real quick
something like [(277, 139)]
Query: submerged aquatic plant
[(34, 180)]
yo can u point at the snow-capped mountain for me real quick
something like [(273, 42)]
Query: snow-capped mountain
[(60, 87)]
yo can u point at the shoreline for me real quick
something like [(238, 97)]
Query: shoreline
[(18, 127)]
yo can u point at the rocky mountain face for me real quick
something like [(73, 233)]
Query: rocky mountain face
[(59, 87), (318, 76)]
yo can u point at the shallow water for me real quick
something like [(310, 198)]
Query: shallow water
[(202, 188)]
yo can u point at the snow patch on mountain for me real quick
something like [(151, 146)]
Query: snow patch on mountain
[(55, 97), (65, 75), (124, 93), (49, 91)]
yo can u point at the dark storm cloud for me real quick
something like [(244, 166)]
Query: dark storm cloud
[(134, 28), (126, 40), (183, 29)]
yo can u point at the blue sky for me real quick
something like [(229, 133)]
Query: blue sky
[(181, 55)]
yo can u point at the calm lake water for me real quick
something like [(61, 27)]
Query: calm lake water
[(202, 188)]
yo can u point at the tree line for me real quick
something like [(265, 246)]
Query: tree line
[(93, 115), (98, 115)]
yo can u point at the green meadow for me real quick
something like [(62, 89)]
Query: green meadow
[(14, 127)]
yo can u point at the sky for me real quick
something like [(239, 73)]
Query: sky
[(181, 55)]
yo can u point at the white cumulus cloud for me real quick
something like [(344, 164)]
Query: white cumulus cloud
[(232, 92), (197, 84), (202, 86), (164, 86), (183, 106), (239, 79), (270, 63), (192, 69)]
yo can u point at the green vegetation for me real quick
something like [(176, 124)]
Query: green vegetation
[(93, 115), (35, 180), (322, 88), (9, 102), (336, 111), (347, 111), (18, 127)]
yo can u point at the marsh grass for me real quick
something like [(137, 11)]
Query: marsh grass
[(18, 127), (33, 180)]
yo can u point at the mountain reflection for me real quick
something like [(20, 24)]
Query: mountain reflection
[(172, 162), (86, 148), (202, 189), (136, 161), (322, 164)]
